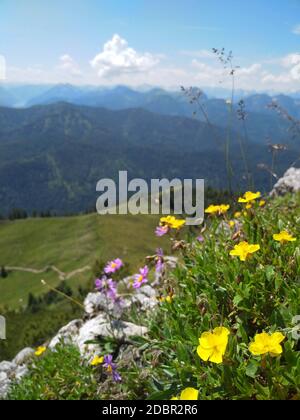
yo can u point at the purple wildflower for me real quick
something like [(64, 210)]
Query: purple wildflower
[(200, 239), (111, 368), (159, 260), (108, 287), (113, 266), (159, 252), (99, 283), (116, 376), (111, 291), (161, 231), (141, 278)]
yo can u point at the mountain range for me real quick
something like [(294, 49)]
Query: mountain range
[(53, 155), (263, 123), (55, 149)]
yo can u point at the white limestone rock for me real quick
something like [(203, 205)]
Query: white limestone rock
[(146, 297), (3, 377), (23, 356), (10, 372), (67, 334), (99, 328), (289, 183), (4, 386), (20, 372), (7, 367), (97, 302)]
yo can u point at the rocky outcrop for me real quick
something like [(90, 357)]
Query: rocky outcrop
[(24, 356), (144, 298), (67, 334), (81, 334), (11, 372), (102, 320), (289, 183), (99, 328)]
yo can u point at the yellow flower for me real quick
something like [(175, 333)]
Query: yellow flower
[(221, 209), (188, 394), (267, 343), (249, 197), (213, 345), (283, 237), (243, 250), (262, 203), (40, 350), (178, 224), (249, 206), (232, 223), (172, 222), (168, 298), (237, 215), (98, 360)]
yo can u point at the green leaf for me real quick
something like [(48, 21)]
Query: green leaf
[(237, 300), (252, 369), (270, 272)]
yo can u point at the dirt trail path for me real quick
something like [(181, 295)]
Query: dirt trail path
[(61, 275)]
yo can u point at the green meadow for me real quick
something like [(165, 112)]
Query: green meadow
[(68, 243)]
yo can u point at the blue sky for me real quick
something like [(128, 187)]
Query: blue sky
[(166, 42)]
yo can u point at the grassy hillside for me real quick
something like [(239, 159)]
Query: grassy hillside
[(228, 331), (69, 244)]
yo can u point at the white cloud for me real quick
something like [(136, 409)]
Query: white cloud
[(215, 74), (249, 71), (291, 64), (67, 63), (117, 58), (270, 78), (296, 30), (207, 72), (295, 72), (2, 67), (120, 64), (290, 60)]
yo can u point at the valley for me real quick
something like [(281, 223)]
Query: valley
[(70, 244)]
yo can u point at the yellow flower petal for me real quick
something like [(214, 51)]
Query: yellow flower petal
[(216, 357), (243, 250), (204, 353), (284, 237), (213, 345), (40, 350), (267, 344), (219, 209), (278, 337), (172, 222), (222, 332), (189, 394), (98, 360), (276, 350), (256, 348), (249, 197)]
